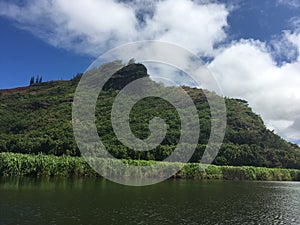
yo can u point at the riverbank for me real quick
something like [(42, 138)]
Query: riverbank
[(23, 165)]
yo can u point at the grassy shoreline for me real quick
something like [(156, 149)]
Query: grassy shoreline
[(23, 165)]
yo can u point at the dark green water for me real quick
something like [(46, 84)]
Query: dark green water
[(29, 201)]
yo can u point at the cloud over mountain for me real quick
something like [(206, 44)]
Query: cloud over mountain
[(246, 69)]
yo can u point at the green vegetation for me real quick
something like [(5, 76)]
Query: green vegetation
[(25, 165), (38, 119)]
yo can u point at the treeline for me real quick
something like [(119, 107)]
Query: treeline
[(35, 81)]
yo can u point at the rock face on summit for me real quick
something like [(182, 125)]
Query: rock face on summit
[(125, 76)]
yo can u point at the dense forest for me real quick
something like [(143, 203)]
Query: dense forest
[(38, 119)]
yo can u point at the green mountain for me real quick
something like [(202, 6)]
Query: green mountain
[(38, 119)]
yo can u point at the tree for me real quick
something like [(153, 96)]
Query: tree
[(37, 79), (32, 81), (40, 80)]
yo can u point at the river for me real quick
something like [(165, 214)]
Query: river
[(98, 201)]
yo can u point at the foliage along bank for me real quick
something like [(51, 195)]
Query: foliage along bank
[(25, 165)]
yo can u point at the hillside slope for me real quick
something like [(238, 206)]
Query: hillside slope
[(37, 119)]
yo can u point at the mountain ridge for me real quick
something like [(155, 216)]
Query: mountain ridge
[(37, 119)]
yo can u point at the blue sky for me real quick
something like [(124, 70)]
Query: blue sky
[(253, 45), (24, 55), (260, 19)]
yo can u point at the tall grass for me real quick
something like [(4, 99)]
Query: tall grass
[(12, 165), (43, 166)]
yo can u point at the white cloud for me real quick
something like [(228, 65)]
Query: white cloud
[(294, 38), (196, 27), (295, 22), (289, 3), (292, 130), (85, 27), (93, 26), (283, 49), (246, 70)]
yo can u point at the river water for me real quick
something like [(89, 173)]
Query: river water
[(97, 201)]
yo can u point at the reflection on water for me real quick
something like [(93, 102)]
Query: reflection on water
[(97, 201)]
